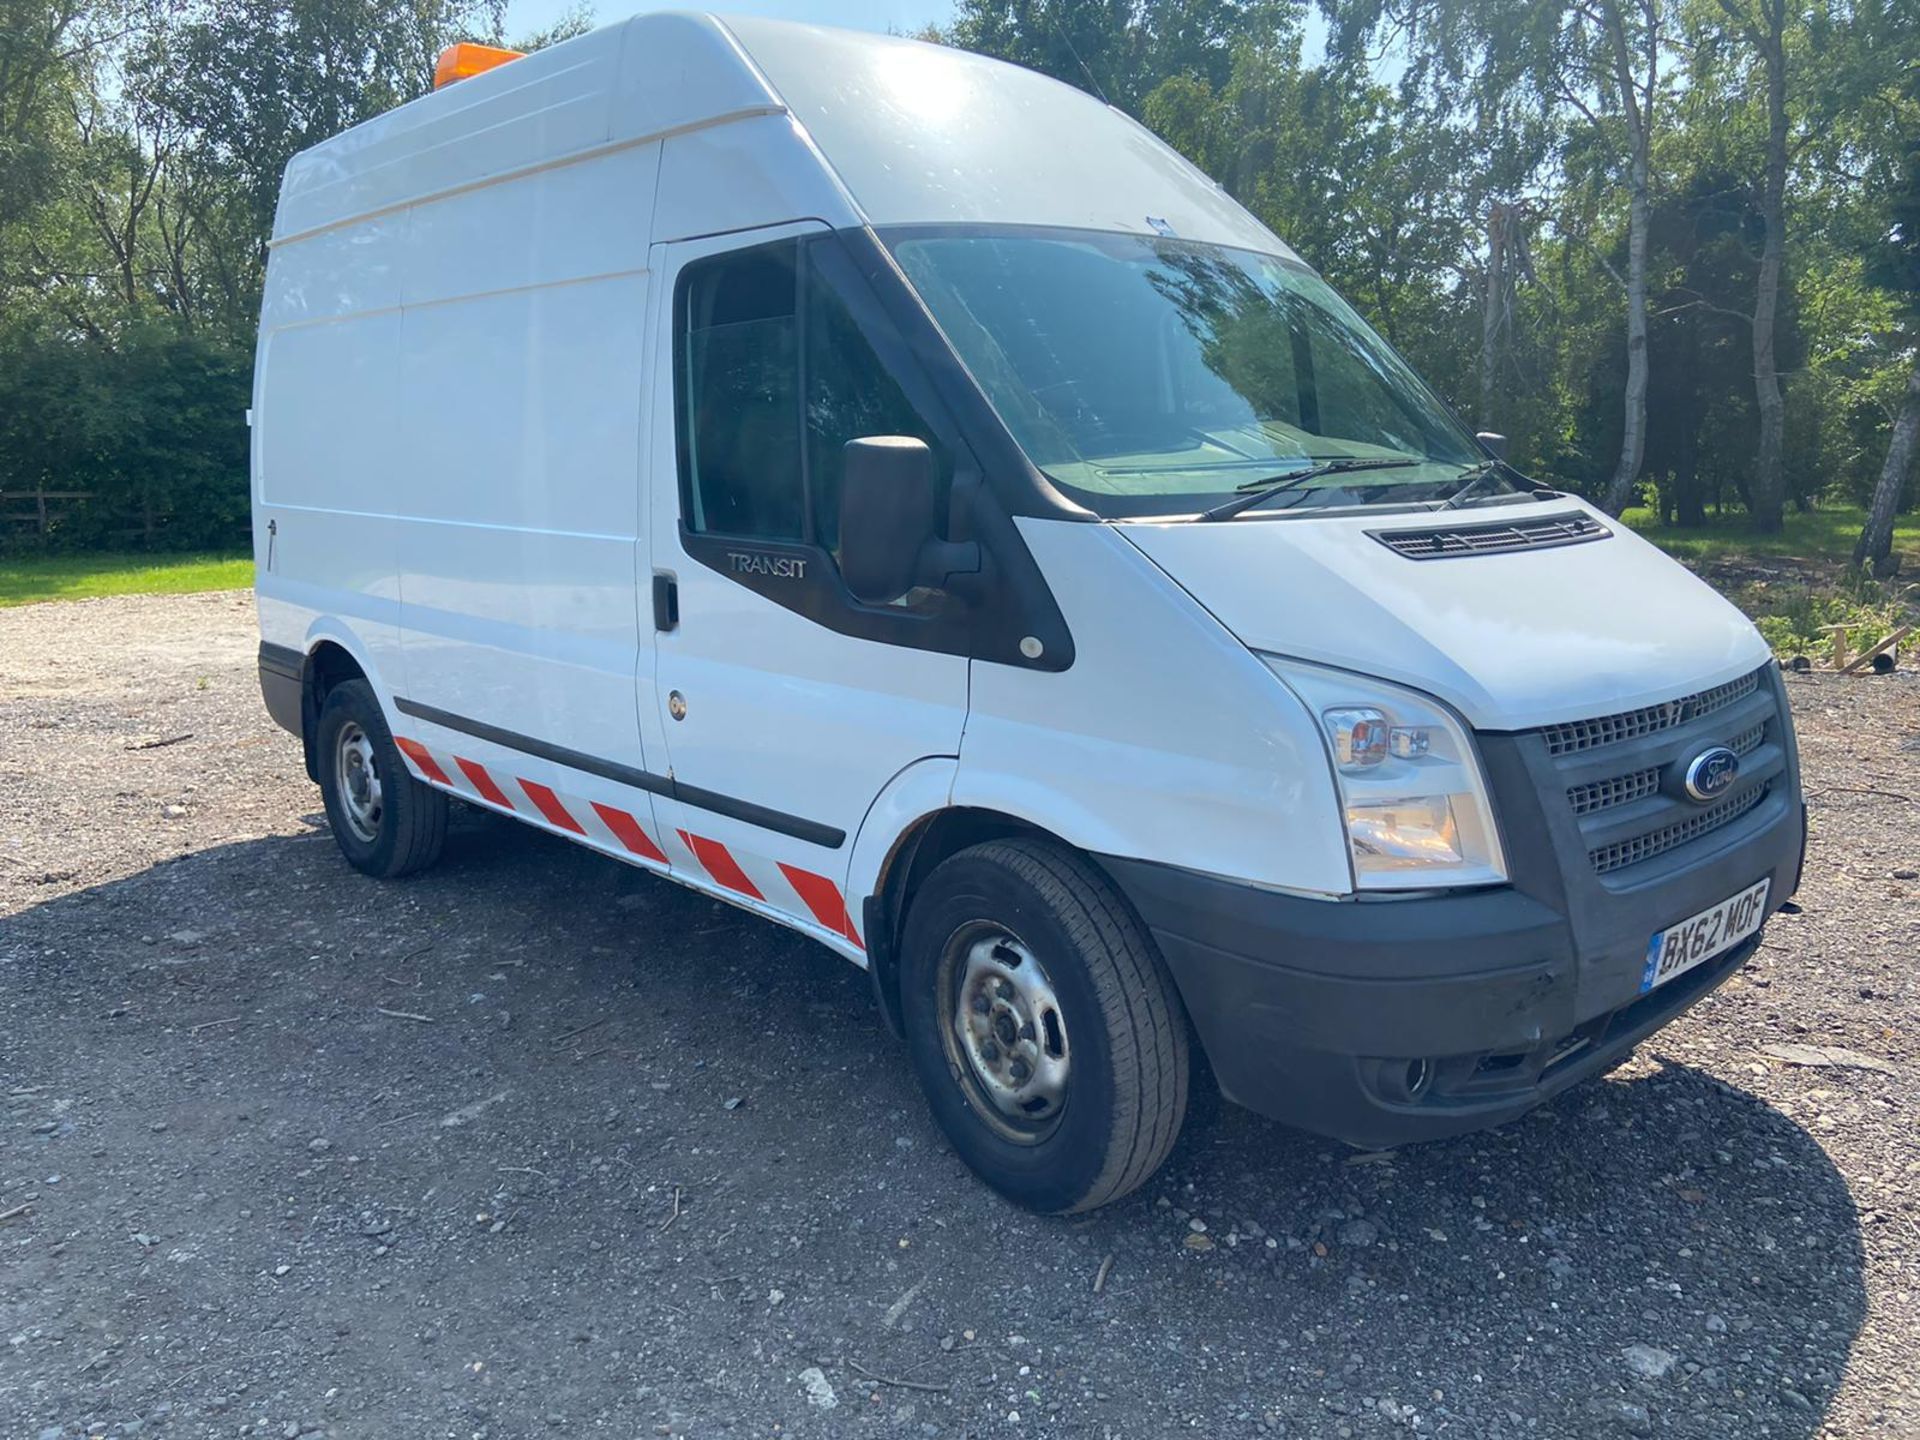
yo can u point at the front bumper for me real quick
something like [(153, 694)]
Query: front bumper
[(1379, 1021)]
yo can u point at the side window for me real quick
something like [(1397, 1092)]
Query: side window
[(740, 394), (775, 379), (849, 394)]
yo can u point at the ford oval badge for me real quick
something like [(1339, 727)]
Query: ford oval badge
[(1711, 773)]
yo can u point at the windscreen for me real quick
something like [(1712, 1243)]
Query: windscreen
[(1151, 376)]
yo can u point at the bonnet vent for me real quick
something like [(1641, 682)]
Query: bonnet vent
[(1536, 533)]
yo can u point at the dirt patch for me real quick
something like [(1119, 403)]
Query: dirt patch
[(538, 1144)]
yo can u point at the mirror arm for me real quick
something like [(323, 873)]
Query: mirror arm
[(951, 565)]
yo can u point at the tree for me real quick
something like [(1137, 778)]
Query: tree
[(1118, 49), (41, 47), (1896, 268), (1565, 66), (1760, 33), (256, 81)]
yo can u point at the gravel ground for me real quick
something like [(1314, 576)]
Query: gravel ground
[(538, 1144)]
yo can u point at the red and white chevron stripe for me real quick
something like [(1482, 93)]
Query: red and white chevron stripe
[(810, 898)]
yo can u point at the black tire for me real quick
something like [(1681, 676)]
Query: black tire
[(1120, 1029), (409, 828)]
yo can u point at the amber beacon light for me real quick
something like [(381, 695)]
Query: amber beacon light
[(465, 60)]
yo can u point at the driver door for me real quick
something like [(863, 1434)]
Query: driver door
[(784, 705)]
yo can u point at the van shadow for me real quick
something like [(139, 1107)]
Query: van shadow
[(1655, 1249), (535, 1032)]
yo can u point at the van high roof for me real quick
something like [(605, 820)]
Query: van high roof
[(882, 130)]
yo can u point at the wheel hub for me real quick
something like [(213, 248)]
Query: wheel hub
[(359, 774), (1009, 1028)]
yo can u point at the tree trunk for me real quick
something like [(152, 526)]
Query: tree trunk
[(1493, 311), (1633, 432), (1689, 503), (1875, 547), (1769, 478)]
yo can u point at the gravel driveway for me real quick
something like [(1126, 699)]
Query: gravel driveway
[(538, 1144)]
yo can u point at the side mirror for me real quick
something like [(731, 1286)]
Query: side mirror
[(889, 535), (1494, 443)]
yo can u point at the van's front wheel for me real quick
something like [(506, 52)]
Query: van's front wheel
[(386, 822), (1043, 1025)]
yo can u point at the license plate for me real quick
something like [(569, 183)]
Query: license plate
[(1699, 938)]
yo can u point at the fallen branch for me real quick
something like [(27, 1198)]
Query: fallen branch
[(404, 1015), (17, 1211), (581, 1030), (160, 744), (209, 1024), (676, 1211), (1100, 1280), (940, 1389), (1859, 790)]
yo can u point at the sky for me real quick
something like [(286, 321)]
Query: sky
[(905, 16)]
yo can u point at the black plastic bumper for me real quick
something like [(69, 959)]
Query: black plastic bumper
[(282, 684), (1384, 1021)]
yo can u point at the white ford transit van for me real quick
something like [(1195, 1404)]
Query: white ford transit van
[(892, 492)]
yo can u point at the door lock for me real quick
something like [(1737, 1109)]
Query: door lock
[(676, 705)]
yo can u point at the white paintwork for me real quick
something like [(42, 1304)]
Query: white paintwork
[(463, 439), (1626, 626), (916, 794), (753, 173), (916, 133), (924, 133), (519, 533), (620, 85), (1166, 740)]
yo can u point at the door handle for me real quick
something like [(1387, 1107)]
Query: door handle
[(666, 601)]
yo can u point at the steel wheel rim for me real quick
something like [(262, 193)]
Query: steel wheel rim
[(1005, 1032), (359, 774)]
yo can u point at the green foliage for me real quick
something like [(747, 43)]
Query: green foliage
[(1795, 618), (152, 427)]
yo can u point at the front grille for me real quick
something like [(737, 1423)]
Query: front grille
[(1623, 776), (1748, 741), (1596, 795), (1618, 790), (1623, 853), (1533, 533), (1577, 735)]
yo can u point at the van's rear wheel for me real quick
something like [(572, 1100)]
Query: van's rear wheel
[(386, 822), (1043, 1025)]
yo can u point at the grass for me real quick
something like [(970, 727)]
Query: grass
[(1797, 583), (1822, 537), (25, 579)]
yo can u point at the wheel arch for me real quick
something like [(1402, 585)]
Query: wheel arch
[(329, 662), (914, 853)]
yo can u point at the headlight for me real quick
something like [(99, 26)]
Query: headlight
[(1416, 802)]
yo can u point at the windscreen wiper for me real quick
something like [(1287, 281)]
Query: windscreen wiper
[(1471, 479), (1261, 490)]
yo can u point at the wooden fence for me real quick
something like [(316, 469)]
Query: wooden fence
[(33, 512)]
